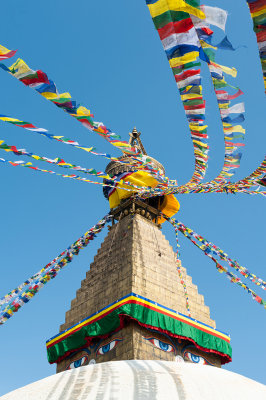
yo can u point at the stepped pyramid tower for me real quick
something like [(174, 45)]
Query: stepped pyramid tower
[(132, 304)]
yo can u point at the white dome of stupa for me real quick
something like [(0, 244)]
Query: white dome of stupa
[(128, 380)]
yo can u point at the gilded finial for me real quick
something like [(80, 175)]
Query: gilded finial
[(135, 141)]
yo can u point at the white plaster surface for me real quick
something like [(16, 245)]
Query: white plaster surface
[(133, 380)]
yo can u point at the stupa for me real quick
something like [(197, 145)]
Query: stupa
[(128, 333), (132, 305)]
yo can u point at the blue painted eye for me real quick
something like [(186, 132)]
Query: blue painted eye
[(78, 363), (161, 345), (195, 359), (164, 346), (108, 346)]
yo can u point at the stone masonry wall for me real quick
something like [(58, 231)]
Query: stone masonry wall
[(135, 257)]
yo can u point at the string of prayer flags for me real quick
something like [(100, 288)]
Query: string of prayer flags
[(179, 38), (140, 163), (20, 68), (258, 13), (242, 186), (208, 187), (111, 183), (176, 36), (230, 128), (223, 256), (22, 72), (39, 81), (213, 251), (5, 53), (183, 35), (183, 282), (179, 271), (57, 161), (72, 176), (210, 248), (253, 179), (44, 132), (223, 98), (234, 279), (22, 124), (18, 297)]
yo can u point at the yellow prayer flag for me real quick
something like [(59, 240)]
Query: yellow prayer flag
[(3, 50), (197, 128), (224, 106), (161, 6), (55, 96), (189, 57), (190, 87), (49, 95), (83, 111), (190, 96), (237, 128), (21, 68), (9, 119), (88, 149), (66, 164), (200, 144), (258, 13), (227, 174), (206, 45), (197, 152), (226, 70)]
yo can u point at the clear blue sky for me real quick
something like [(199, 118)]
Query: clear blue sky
[(109, 57)]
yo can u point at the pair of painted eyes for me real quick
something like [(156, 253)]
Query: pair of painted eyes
[(170, 349), (101, 351)]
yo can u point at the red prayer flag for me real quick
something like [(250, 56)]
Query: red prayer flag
[(186, 74), (40, 78), (196, 107), (257, 6), (175, 27), (8, 55)]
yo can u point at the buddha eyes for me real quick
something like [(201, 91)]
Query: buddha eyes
[(78, 363), (195, 358), (161, 345), (108, 347)]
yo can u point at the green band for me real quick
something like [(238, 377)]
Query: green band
[(145, 316)]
